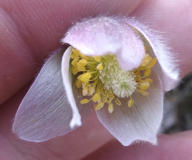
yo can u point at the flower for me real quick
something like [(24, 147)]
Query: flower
[(117, 65)]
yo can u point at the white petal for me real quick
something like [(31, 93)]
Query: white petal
[(141, 121), (45, 112), (103, 35), (67, 81), (167, 69)]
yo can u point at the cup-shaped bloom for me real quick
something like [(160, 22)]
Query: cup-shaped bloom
[(116, 66)]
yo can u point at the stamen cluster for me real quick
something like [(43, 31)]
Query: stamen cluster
[(102, 78)]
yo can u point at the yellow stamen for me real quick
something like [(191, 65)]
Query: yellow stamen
[(75, 53), (97, 58), (110, 108), (98, 106), (78, 83), (75, 60), (100, 66), (82, 56), (85, 91), (145, 60), (103, 79), (144, 85), (85, 77), (84, 101), (82, 62), (152, 63), (74, 69), (117, 101), (81, 68), (96, 97), (147, 72), (91, 90), (144, 93), (130, 103), (149, 80)]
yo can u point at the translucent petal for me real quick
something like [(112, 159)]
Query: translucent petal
[(102, 35), (45, 112), (141, 121), (167, 66)]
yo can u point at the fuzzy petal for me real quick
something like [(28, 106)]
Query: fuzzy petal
[(141, 121), (168, 70), (45, 112), (102, 35)]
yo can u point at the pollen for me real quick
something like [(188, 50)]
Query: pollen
[(106, 83), (130, 103), (85, 77), (100, 66)]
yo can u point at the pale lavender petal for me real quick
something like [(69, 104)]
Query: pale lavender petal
[(167, 68), (103, 35), (140, 122), (45, 112)]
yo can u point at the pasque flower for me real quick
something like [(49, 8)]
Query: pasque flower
[(115, 66)]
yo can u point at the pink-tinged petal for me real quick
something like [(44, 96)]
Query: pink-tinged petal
[(102, 35), (167, 68), (141, 121), (45, 112)]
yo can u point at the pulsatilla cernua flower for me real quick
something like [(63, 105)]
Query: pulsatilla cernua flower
[(115, 66)]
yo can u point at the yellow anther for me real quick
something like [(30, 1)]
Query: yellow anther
[(92, 79), (84, 85), (130, 103), (73, 56), (78, 83), (81, 68), (149, 80), (75, 60), (117, 101), (82, 63), (145, 60), (82, 56), (110, 108), (152, 63), (144, 85), (85, 77), (74, 69), (144, 93), (97, 58), (99, 66), (111, 97), (147, 72), (98, 106), (84, 101), (76, 52), (91, 90), (85, 91), (96, 97)]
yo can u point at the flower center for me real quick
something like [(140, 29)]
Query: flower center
[(105, 81)]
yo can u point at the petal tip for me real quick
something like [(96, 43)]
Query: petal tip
[(75, 123)]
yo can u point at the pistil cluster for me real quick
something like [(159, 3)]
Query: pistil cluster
[(105, 81)]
